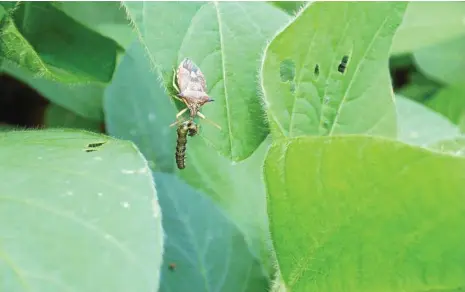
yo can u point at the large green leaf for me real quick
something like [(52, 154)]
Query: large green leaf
[(419, 125), (445, 61), (364, 213), (450, 101), (207, 249), (59, 117), (136, 109), (41, 38), (225, 39), (304, 91), (429, 23), (107, 18), (84, 99), (73, 220)]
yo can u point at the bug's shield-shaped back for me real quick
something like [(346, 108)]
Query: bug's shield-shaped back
[(190, 78)]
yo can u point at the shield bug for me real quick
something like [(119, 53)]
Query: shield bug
[(184, 129), (191, 86)]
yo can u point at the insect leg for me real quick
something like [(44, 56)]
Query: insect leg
[(177, 117), (211, 122)]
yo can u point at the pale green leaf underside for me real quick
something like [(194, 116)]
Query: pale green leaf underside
[(324, 101), (429, 23), (226, 40), (72, 220), (367, 214), (419, 125), (209, 251), (453, 146), (445, 61)]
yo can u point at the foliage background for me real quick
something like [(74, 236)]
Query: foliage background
[(396, 181)]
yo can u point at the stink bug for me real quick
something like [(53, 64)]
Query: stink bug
[(192, 90)]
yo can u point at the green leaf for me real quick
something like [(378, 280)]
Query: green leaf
[(208, 250), (73, 220), (419, 125), (142, 113), (290, 7), (85, 99), (107, 18), (225, 39), (428, 23), (364, 213), (450, 102), (443, 62), (455, 146), (47, 42), (59, 117), (419, 87), (316, 98)]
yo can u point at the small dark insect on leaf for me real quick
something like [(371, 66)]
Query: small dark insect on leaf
[(342, 67), (172, 266), (95, 145), (317, 70)]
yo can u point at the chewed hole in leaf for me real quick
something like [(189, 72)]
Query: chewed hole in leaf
[(316, 71), (287, 70), (91, 147), (343, 65), (95, 145)]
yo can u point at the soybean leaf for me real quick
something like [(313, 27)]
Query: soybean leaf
[(204, 248), (225, 39), (419, 125), (47, 42), (428, 23), (443, 62), (136, 109), (85, 99), (368, 214), (420, 88), (454, 146), (290, 7), (450, 102), (59, 117), (73, 220), (304, 90), (107, 18)]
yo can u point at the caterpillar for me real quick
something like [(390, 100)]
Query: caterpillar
[(184, 129)]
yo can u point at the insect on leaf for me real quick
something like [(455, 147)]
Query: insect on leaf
[(225, 40)]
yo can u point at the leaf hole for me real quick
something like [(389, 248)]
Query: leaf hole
[(343, 65), (95, 145)]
